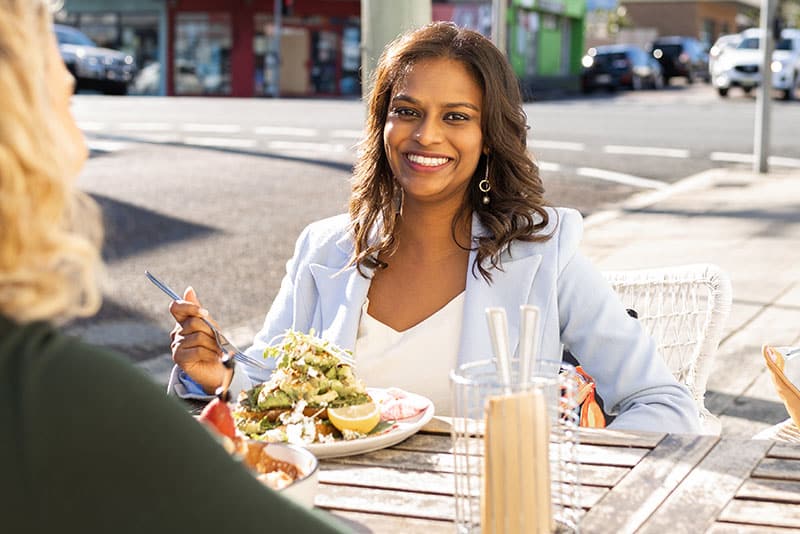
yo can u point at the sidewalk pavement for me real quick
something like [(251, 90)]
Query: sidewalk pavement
[(749, 225), (746, 223)]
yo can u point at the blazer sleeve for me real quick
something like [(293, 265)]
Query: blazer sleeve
[(632, 379)]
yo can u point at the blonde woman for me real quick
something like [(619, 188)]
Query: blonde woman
[(87, 443)]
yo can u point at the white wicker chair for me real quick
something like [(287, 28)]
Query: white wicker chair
[(684, 309)]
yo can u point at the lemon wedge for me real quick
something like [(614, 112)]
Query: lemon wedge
[(359, 418)]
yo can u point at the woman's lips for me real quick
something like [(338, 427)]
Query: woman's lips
[(426, 162)]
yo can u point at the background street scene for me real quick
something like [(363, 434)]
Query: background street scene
[(213, 193)]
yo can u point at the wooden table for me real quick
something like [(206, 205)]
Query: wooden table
[(631, 481)]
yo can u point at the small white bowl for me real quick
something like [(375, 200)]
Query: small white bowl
[(304, 488)]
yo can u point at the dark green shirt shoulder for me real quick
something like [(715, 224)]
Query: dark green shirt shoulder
[(90, 444)]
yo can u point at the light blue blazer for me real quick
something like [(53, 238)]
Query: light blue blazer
[(577, 306)]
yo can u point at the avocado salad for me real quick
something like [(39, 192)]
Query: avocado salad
[(311, 375)]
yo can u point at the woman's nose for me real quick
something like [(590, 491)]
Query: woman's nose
[(428, 132)]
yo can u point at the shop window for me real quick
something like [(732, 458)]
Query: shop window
[(287, 66), (350, 82), (202, 54)]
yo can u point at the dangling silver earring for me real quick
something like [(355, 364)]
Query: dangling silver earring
[(484, 185)]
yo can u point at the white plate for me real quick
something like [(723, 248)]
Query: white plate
[(399, 431)]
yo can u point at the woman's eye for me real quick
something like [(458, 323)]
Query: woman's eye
[(404, 112), (456, 117)]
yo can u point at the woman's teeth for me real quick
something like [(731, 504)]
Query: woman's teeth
[(426, 161)]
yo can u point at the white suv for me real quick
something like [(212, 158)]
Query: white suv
[(739, 67)]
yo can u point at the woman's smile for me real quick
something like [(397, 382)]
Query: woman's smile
[(426, 163)]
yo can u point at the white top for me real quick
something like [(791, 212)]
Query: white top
[(418, 359)]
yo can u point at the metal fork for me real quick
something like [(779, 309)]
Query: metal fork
[(223, 342)]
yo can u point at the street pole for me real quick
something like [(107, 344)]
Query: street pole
[(499, 24), (381, 22), (764, 94), (276, 49)]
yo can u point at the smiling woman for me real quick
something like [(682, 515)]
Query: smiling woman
[(447, 217)]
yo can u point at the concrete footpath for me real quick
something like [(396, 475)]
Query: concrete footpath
[(749, 225)]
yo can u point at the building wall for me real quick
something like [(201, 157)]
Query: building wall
[(669, 18), (705, 20)]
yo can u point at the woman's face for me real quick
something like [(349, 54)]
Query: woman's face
[(433, 138), (61, 86)]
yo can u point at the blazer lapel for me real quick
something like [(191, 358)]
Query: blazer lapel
[(342, 293), (509, 289)]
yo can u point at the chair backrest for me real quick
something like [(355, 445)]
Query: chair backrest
[(684, 309)]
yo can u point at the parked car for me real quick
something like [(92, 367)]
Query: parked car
[(723, 43), (681, 57), (101, 69), (622, 65), (740, 67)]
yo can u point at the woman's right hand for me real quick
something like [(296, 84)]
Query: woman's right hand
[(194, 347)]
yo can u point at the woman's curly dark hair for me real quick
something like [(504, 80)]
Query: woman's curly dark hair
[(516, 210)]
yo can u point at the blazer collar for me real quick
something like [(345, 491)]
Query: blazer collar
[(342, 293)]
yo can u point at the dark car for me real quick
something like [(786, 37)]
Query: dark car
[(622, 65), (681, 57), (100, 69)]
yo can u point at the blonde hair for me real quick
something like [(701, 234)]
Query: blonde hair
[(48, 266)]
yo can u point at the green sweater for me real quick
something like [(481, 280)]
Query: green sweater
[(90, 444)]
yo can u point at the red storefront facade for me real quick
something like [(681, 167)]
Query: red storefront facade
[(227, 48)]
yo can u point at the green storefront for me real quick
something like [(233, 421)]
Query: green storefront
[(545, 44)]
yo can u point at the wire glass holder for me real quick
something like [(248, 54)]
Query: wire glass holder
[(471, 385)]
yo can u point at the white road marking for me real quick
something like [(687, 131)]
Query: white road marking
[(779, 161), (286, 130), (88, 126), (100, 145), (735, 157), (306, 147), (732, 157), (211, 128), (557, 145), (347, 134), (647, 151), (145, 126), (548, 166), (223, 142), (158, 138), (620, 178)]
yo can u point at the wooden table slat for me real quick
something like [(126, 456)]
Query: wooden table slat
[(779, 450), (770, 490), (414, 481), (620, 438), (632, 501), (695, 505), (379, 501), (363, 523), (592, 475), (771, 514), (589, 453), (778, 468), (738, 528), (441, 425)]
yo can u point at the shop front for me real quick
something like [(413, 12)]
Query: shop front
[(546, 44), (136, 28), (229, 48)]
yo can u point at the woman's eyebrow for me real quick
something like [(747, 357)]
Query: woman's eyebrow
[(410, 99)]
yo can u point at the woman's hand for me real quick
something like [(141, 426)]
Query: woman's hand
[(194, 348)]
